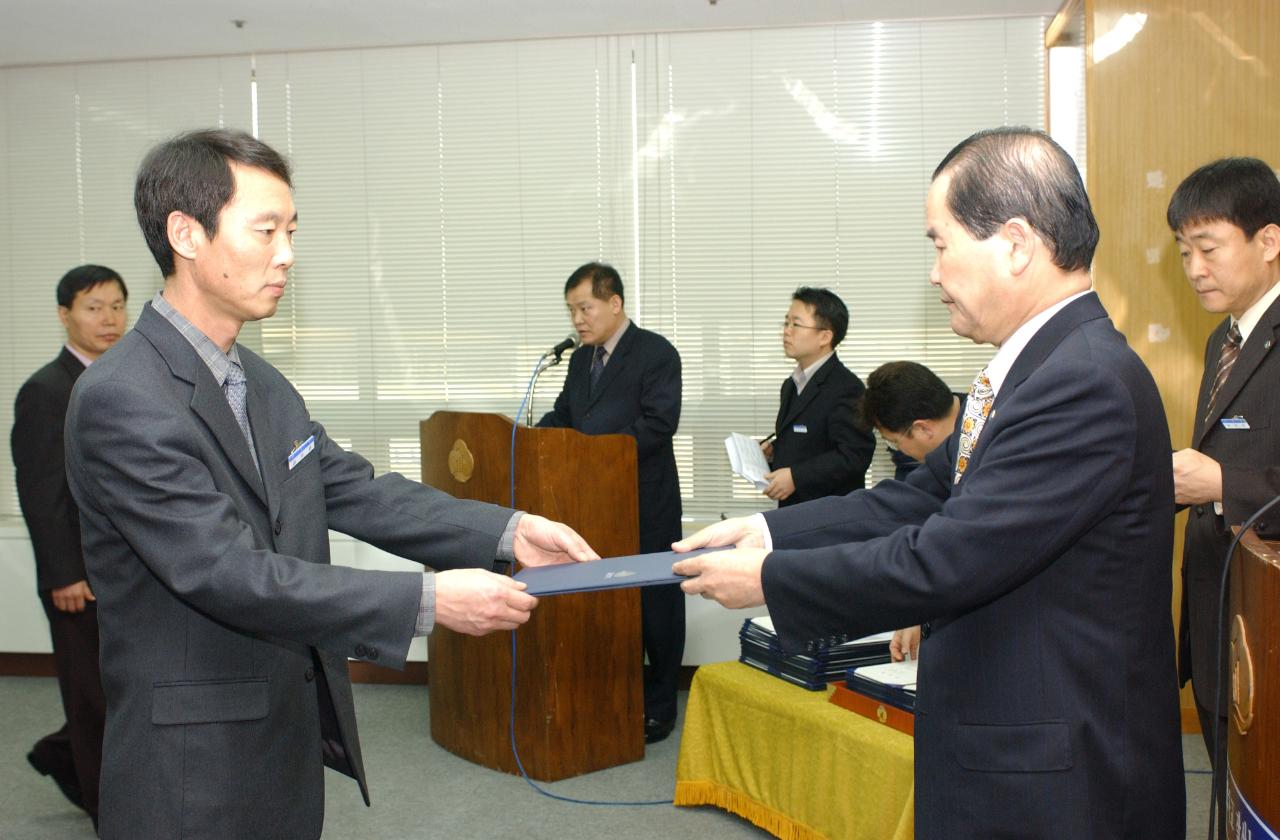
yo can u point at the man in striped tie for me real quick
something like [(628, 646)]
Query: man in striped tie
[(1226, 219)]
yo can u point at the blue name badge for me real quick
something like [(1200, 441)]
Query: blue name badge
[(1236, 422), (303, 450), (800, 429)]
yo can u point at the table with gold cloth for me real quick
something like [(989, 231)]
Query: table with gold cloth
[(793, 763)]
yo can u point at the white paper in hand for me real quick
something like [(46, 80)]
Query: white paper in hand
[(746, 459)]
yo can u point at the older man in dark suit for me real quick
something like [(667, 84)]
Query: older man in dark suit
[(206, 494), (1226, 219), (91, 306), (626, 380), (817, 448), (1034, 545)]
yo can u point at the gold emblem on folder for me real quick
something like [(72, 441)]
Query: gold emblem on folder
[(1241, 677), (462, 464), (882, 714)]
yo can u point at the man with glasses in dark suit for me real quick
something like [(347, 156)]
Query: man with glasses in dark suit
[(816, 448)]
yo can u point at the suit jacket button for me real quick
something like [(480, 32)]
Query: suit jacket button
[(925, 630), (278, 526), (1199, 510), (309, 674), (373, 654), (362, 651)]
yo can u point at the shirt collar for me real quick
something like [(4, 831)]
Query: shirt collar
[(218, 362), (1000, 365), (803, 375), (84, 360), (1254, 313), (615, 338)]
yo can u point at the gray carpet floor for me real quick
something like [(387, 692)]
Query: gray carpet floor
[(421, 791)]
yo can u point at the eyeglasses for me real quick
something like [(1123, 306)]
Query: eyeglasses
[(896, 445), (788, 324)]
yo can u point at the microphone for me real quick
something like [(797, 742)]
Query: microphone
[(558, 351)]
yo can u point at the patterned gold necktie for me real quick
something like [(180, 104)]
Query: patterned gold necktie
[(976, 409), (1230, 350)]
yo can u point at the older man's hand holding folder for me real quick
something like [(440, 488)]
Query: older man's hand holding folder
[(611, 573)]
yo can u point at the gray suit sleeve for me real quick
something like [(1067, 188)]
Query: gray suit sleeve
[(141, 466)]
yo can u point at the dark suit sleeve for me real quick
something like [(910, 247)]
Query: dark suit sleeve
[(846, 462), (1059, 461), (47, 506), (404, 517), (864, 514), (660, 394), (1247, 487)]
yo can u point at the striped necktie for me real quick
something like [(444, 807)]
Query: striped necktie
[(597, 365), (1230, 352), (976, 409)]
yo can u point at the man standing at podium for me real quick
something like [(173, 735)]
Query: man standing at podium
[(626, 380), (1033, 546), (1226, 219)]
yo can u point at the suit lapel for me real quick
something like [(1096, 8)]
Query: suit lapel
[(1213, 349), (784, 404), (1042, 344), (1260, 342), (207, 399), (264, 438), (1046, 339), (802, 400), (613, 365), (73, 366)]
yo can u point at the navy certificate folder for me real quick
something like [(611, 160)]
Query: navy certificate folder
[(610, 573)]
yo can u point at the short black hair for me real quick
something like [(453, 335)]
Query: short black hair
[(605, 281), (828, 310), (900, 393), (1242, 191), (84, 277), (191, 173), (1010, 172)]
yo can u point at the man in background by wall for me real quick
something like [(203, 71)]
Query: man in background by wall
[(912, 409), (816, 449), (91, 306), (626, 380), (1226, 219)]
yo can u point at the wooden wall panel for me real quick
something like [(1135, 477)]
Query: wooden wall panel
[(1199, 81)]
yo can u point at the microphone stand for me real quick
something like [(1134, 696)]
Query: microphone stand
[(546, 360), (543, 364)]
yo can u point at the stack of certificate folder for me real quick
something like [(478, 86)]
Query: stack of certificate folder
[(893, 683), (823, 662)]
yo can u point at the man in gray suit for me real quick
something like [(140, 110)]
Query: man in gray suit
[(206, 493)]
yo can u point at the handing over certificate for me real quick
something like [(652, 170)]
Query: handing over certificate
[(610, 573)]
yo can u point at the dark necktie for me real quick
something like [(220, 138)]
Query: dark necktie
[(1230, 351), (597, 365), (237, 392)]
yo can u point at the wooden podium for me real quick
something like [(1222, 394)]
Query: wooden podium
[(579, 686), (1253, 716)]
